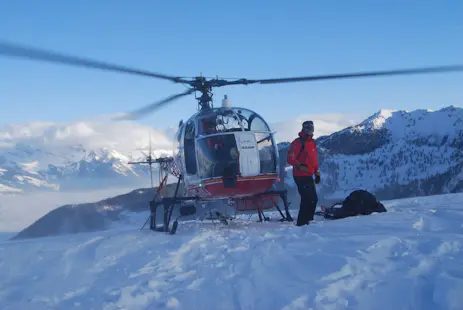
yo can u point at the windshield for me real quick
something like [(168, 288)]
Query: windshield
[(251, 121), (223, 120), (218, 156), (219, 121)]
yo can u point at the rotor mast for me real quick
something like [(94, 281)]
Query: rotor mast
[(205, 88)]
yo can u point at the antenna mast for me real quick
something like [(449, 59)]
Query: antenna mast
[(149, 160)]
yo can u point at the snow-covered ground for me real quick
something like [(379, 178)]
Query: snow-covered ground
[(408, 258)]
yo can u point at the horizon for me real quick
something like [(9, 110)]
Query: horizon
[(313, 39), (96, 134)]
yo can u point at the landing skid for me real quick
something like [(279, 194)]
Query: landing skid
[(169, 203), (284, 197), (220, 217), (187, 209)]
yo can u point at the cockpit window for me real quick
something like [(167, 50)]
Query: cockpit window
[(208, 124), (219, 121), (218, 156), (251, 121), (223, 120)]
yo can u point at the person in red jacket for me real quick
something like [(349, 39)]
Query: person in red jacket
[(302, 155)]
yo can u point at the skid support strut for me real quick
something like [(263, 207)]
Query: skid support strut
[(284, 197), (168, 204)]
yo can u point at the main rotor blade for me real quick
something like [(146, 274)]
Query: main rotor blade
[(153, 107), (13, 50), (441, 69)]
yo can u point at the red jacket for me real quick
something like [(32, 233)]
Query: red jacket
[(308, 157)]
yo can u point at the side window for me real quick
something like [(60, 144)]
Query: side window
[(267, 153), (178, 141), (189, 148)]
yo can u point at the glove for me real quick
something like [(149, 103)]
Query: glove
[(317, 177)]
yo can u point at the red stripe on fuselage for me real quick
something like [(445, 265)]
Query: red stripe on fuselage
[(245, 186)]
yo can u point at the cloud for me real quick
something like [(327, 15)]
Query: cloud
[(128, 136), (325, 124), (125, 136)]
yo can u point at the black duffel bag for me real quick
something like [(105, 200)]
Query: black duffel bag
[(359, 202)]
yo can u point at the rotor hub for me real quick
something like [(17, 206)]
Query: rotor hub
[(200, 84)]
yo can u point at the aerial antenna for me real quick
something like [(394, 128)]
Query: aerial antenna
[(149, 160)]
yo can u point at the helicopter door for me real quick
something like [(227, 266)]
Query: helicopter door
[(249, 153)]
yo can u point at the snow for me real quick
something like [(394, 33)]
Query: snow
[(422, 145), (418, 123), (64, 143), (407, 258), (405, 161), (46, 155)]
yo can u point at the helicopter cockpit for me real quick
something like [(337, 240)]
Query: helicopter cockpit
[(227, 133), (230, 120)]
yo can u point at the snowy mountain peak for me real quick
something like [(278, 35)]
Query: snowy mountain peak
[(41, 155), (401, 124), (397, 153), (384, 113), (376, 121)]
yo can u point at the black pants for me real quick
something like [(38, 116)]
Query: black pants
[(309, 199)]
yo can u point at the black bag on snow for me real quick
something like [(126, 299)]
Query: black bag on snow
[(359, 202)]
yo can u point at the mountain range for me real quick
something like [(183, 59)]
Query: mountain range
[(76, 156), (396, 154), (392, 153)]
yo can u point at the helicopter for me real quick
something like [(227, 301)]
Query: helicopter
[(221, 153)]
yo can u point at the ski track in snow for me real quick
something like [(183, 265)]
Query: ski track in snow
[(408, 258)]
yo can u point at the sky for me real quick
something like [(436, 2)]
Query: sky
[(236, 39)]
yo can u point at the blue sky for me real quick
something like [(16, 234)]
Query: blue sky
[(252, 39)]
